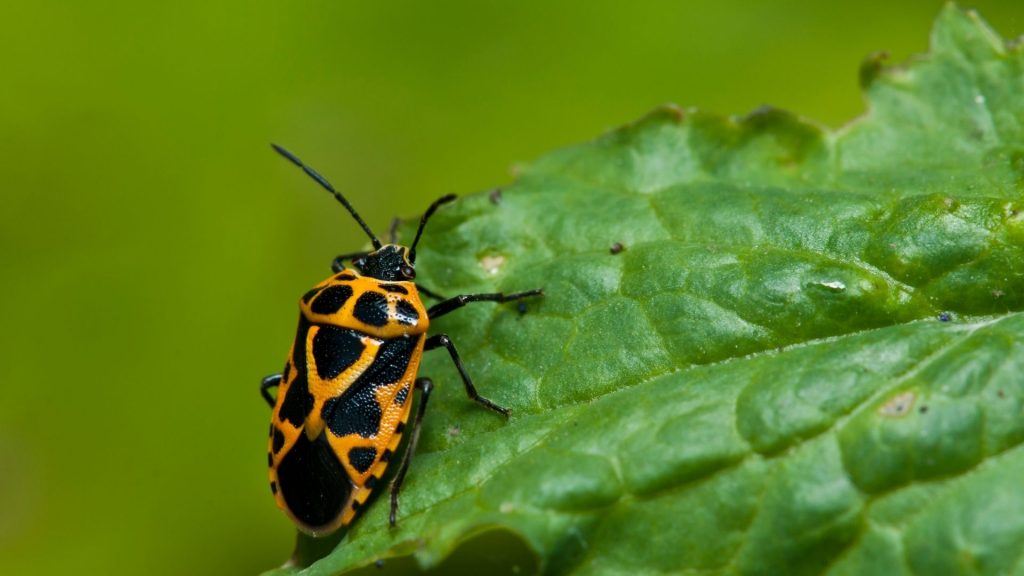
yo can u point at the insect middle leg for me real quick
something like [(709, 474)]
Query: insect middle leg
[(426, 386), (457, 302), (272, 381), (442, 340)]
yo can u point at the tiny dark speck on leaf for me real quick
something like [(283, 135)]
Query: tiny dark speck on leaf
[(521, 307), (495, 196), (945, 317), (1000, 393), (922, 409), (616, 248), (379, 563)]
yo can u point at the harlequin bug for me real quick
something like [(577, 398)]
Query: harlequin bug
[(344, 396)]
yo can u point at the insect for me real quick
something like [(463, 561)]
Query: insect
[(345, 394)]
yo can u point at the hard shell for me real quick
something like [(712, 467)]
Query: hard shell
[(344, 397)]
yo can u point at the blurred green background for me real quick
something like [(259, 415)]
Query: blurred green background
[(154, 247)]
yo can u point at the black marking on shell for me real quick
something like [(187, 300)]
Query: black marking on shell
[(309, 295), (298, 401), (402, 395), (356, 410), (313, 482), (331, 299), (335, 350), (361, 458), (406, 313), (372, 308)]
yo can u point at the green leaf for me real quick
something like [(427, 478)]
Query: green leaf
[(806, 360)]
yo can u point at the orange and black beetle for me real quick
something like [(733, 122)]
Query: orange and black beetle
[(345, 394)]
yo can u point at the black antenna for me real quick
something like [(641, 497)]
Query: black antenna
[(327, 185), (426, 215)]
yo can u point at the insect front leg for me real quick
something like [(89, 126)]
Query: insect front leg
[(272, 381), (423, 290), (338, 264), (442, 340), (457, 302), (426, 386)]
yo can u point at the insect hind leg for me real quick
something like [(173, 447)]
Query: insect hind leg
[(426, 386)]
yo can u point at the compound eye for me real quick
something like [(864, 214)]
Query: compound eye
[(408, 271)]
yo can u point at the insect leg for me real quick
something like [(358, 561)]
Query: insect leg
[(442, 340), (430, 293), (463, 299), (426, 386), (272, 381), (338, 264)]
